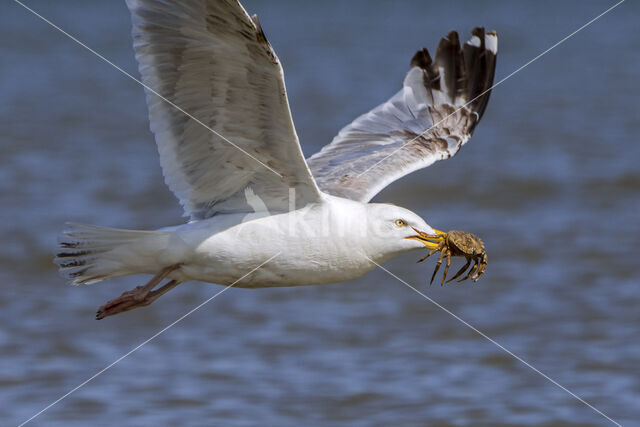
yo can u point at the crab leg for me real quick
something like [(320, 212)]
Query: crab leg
[(481, 268), (437, 267), (462, 270), (480, 271), (430, 253), (471, 271), (446, 267)]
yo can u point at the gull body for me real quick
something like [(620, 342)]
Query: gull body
[(229, 151), (325, 242)]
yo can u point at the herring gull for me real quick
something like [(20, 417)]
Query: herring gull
[(230, 153)]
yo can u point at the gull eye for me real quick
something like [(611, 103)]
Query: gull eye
[(400, 223)]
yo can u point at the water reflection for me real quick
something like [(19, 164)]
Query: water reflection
[(550, 182)]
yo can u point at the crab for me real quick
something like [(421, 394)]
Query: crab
[(458, 243)]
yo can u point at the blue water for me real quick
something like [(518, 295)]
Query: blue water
[(550, 181)]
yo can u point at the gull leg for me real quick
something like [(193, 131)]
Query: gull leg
[(446, 267), (437, 267), (462, 270), (134, 297), (151, 297)]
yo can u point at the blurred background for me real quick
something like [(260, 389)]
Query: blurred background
[(550, 181)]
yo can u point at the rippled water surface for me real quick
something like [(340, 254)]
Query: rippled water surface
[(550, 181)]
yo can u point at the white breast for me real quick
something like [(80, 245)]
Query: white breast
[(316, 245)]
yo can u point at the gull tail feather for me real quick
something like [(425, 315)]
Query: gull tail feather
[(89, 254)]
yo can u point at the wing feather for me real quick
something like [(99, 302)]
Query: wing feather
[(213, 61), (435, 113)]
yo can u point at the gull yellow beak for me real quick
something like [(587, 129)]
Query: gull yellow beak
[(430, 241)]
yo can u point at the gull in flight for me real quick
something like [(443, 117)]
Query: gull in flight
[(229, 151)]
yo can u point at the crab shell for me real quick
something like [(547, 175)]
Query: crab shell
[(464, 244)]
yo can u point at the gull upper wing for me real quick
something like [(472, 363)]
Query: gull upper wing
[(213, 61), (433, 115)]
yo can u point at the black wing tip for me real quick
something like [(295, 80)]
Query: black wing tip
[(468, 70), (447, 43), (421, 59), (453, 38)]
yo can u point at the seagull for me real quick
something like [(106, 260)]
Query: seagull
[(260, 215)]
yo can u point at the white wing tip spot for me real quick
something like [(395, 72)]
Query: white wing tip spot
[(474, 41), (491, 41)]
